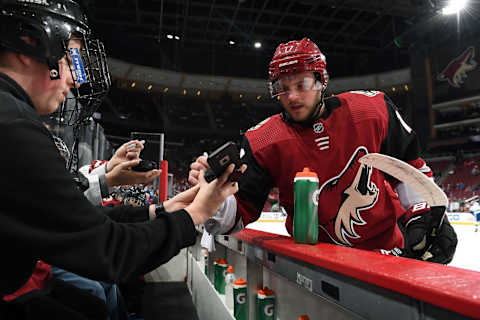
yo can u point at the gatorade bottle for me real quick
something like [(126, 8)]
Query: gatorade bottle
[(240, 310), (220, 270), (229, 280), (305, 220), (204, 260), (215, 262), (265, 304), (303, 317)]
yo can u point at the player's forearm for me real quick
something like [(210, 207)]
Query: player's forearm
[(407, 196)]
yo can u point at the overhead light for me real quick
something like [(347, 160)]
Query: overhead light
[(454, 6), (177, 38), (169, 36), (149, 87), (231, 42), (133, 84), (257, 44)]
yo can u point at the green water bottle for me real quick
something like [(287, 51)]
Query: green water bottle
[(240, 308), (220, 269), (265, 304), (305, 220)]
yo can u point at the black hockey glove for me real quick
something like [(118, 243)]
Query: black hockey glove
[(444, 244), (428, 234)]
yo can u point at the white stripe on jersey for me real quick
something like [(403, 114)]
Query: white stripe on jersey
[(323, 142), (322, 138), (404, 124)]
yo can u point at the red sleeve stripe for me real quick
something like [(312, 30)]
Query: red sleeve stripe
[(421, 165), (95, 164)]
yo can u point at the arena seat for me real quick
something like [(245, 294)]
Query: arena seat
[(439, 166), (462, 175)]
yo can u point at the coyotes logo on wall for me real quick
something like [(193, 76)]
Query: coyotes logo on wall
[(456, 70)]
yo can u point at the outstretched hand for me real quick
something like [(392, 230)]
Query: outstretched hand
[(127, 151), (181, 200), (122, 174), (200, 164), (211, 195)]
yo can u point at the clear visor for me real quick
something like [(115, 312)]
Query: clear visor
[(287, 85)]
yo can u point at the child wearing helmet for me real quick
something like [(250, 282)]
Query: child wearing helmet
[(46, 51)]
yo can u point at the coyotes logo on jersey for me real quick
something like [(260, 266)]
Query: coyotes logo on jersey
[(456, 70), (357, 195)]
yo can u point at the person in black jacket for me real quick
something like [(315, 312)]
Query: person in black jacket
[(46, 51)]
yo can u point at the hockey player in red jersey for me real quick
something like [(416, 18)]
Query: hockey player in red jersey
[(357, 206)]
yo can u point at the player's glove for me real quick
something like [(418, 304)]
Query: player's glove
[(428, 234), (444, 244)]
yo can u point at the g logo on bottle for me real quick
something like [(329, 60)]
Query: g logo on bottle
[(241, 298), (268, 310), (315, 195)]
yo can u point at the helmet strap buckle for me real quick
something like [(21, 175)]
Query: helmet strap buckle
[(54, 70)]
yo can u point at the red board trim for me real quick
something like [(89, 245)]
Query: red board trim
[(450, 288)]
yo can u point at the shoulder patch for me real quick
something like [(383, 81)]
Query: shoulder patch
[(366, 106), (259, 125), (368, 93), (268, 133)]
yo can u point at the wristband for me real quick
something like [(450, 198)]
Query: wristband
[(159, 209)]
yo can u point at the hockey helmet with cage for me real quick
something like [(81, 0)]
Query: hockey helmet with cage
[(51, 24), (295, 57)]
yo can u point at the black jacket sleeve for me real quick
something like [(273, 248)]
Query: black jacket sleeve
[(255, 184), (127, 213), (43, 216)]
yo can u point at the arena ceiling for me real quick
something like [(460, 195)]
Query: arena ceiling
[(357, 36)]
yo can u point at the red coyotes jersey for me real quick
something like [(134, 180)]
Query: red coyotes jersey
[(356, 206)]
